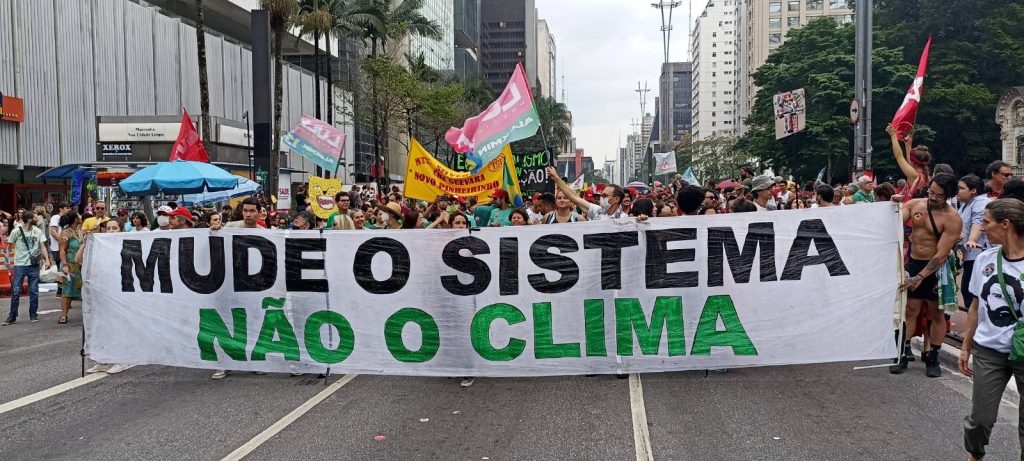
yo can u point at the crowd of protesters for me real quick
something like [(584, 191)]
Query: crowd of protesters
[(965, 225)]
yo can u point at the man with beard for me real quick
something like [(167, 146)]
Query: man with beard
[(936, 226), (610, 206)]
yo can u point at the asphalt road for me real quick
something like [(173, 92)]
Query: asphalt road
[(815, 412)]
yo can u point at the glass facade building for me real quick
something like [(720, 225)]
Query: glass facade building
[(439, 54)]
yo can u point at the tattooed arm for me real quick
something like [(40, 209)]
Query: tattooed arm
[(950, 234)]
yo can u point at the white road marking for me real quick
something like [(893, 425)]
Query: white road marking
[(295, 414), (641, 436), (29, 399), (48, 311)]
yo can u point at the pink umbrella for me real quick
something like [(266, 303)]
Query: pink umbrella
[(726, 184)]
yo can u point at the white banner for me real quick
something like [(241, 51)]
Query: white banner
[(665, 163), (723, 291)]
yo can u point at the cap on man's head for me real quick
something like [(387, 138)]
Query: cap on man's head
[(499, 193), (779, 179), (181, 212), (164, 209), (760, 183)]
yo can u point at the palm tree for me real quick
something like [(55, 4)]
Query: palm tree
[(281, 13), (204, 83), (314, 19), (477, 92), (555, 121), (348, 19), (397, 21)]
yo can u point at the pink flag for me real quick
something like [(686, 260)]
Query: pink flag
[(907, 113), (511, 118)]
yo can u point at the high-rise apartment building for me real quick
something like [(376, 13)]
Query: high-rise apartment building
[(763, 25), (609, 170), (621, 177), (438, 53), (508, 35), (547, 71), (467, 38), (714, 64), (675, 103), (628, 157)]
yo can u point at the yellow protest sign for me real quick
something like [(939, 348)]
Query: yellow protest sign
[(426, 178)]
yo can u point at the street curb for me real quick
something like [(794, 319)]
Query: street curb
[(950, 356)]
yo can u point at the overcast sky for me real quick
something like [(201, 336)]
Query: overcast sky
[(604, 47)]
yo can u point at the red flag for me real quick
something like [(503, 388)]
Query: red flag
[(907, 113), (188, 146)]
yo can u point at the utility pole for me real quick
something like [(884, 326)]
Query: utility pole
[(644, 141), (863, 85), (666, 26), (643, 98)]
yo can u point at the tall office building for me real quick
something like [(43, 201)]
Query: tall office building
[(510, 32), (467, 38), (438, 53), (636, 148), (547, 71), (675, 103), (714, 63), (763, 25)]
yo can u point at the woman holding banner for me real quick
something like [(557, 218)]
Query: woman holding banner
[(993, 321)]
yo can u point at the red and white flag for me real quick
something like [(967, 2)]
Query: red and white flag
[(188, 146), (906, 116)]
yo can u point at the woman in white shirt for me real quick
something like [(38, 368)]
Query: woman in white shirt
[(994, 313)]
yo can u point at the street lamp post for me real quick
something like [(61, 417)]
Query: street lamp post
[(862, 83)]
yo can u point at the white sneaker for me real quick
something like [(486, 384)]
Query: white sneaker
[(466, 382), (219, 374), (99, 368), (117, 368)]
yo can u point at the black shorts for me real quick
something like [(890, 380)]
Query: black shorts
[(928, 289)]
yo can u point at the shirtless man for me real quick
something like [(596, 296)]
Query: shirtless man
[(936, 228)]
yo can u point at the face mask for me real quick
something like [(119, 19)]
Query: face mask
[(384, 218), (606, 203), (163, 221)]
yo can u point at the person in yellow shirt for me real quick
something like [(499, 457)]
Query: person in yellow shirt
[(99, 211)]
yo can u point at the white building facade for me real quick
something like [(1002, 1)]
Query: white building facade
[(714, 66), (763, 25)]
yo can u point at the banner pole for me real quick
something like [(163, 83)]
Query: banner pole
[(327, 302)]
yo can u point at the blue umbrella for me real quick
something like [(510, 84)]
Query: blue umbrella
[(245, 187), (179, 177)]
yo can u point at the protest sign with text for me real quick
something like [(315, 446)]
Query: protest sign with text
[(751, 289), (426, 178)]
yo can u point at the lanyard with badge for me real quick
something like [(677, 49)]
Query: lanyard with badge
[(1017, 343)]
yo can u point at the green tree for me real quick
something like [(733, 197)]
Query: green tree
[(819, 58), (595, 177), (555, 121), (477, 93), (281, 13), (976, 53), (713, 159), (395, 22)]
